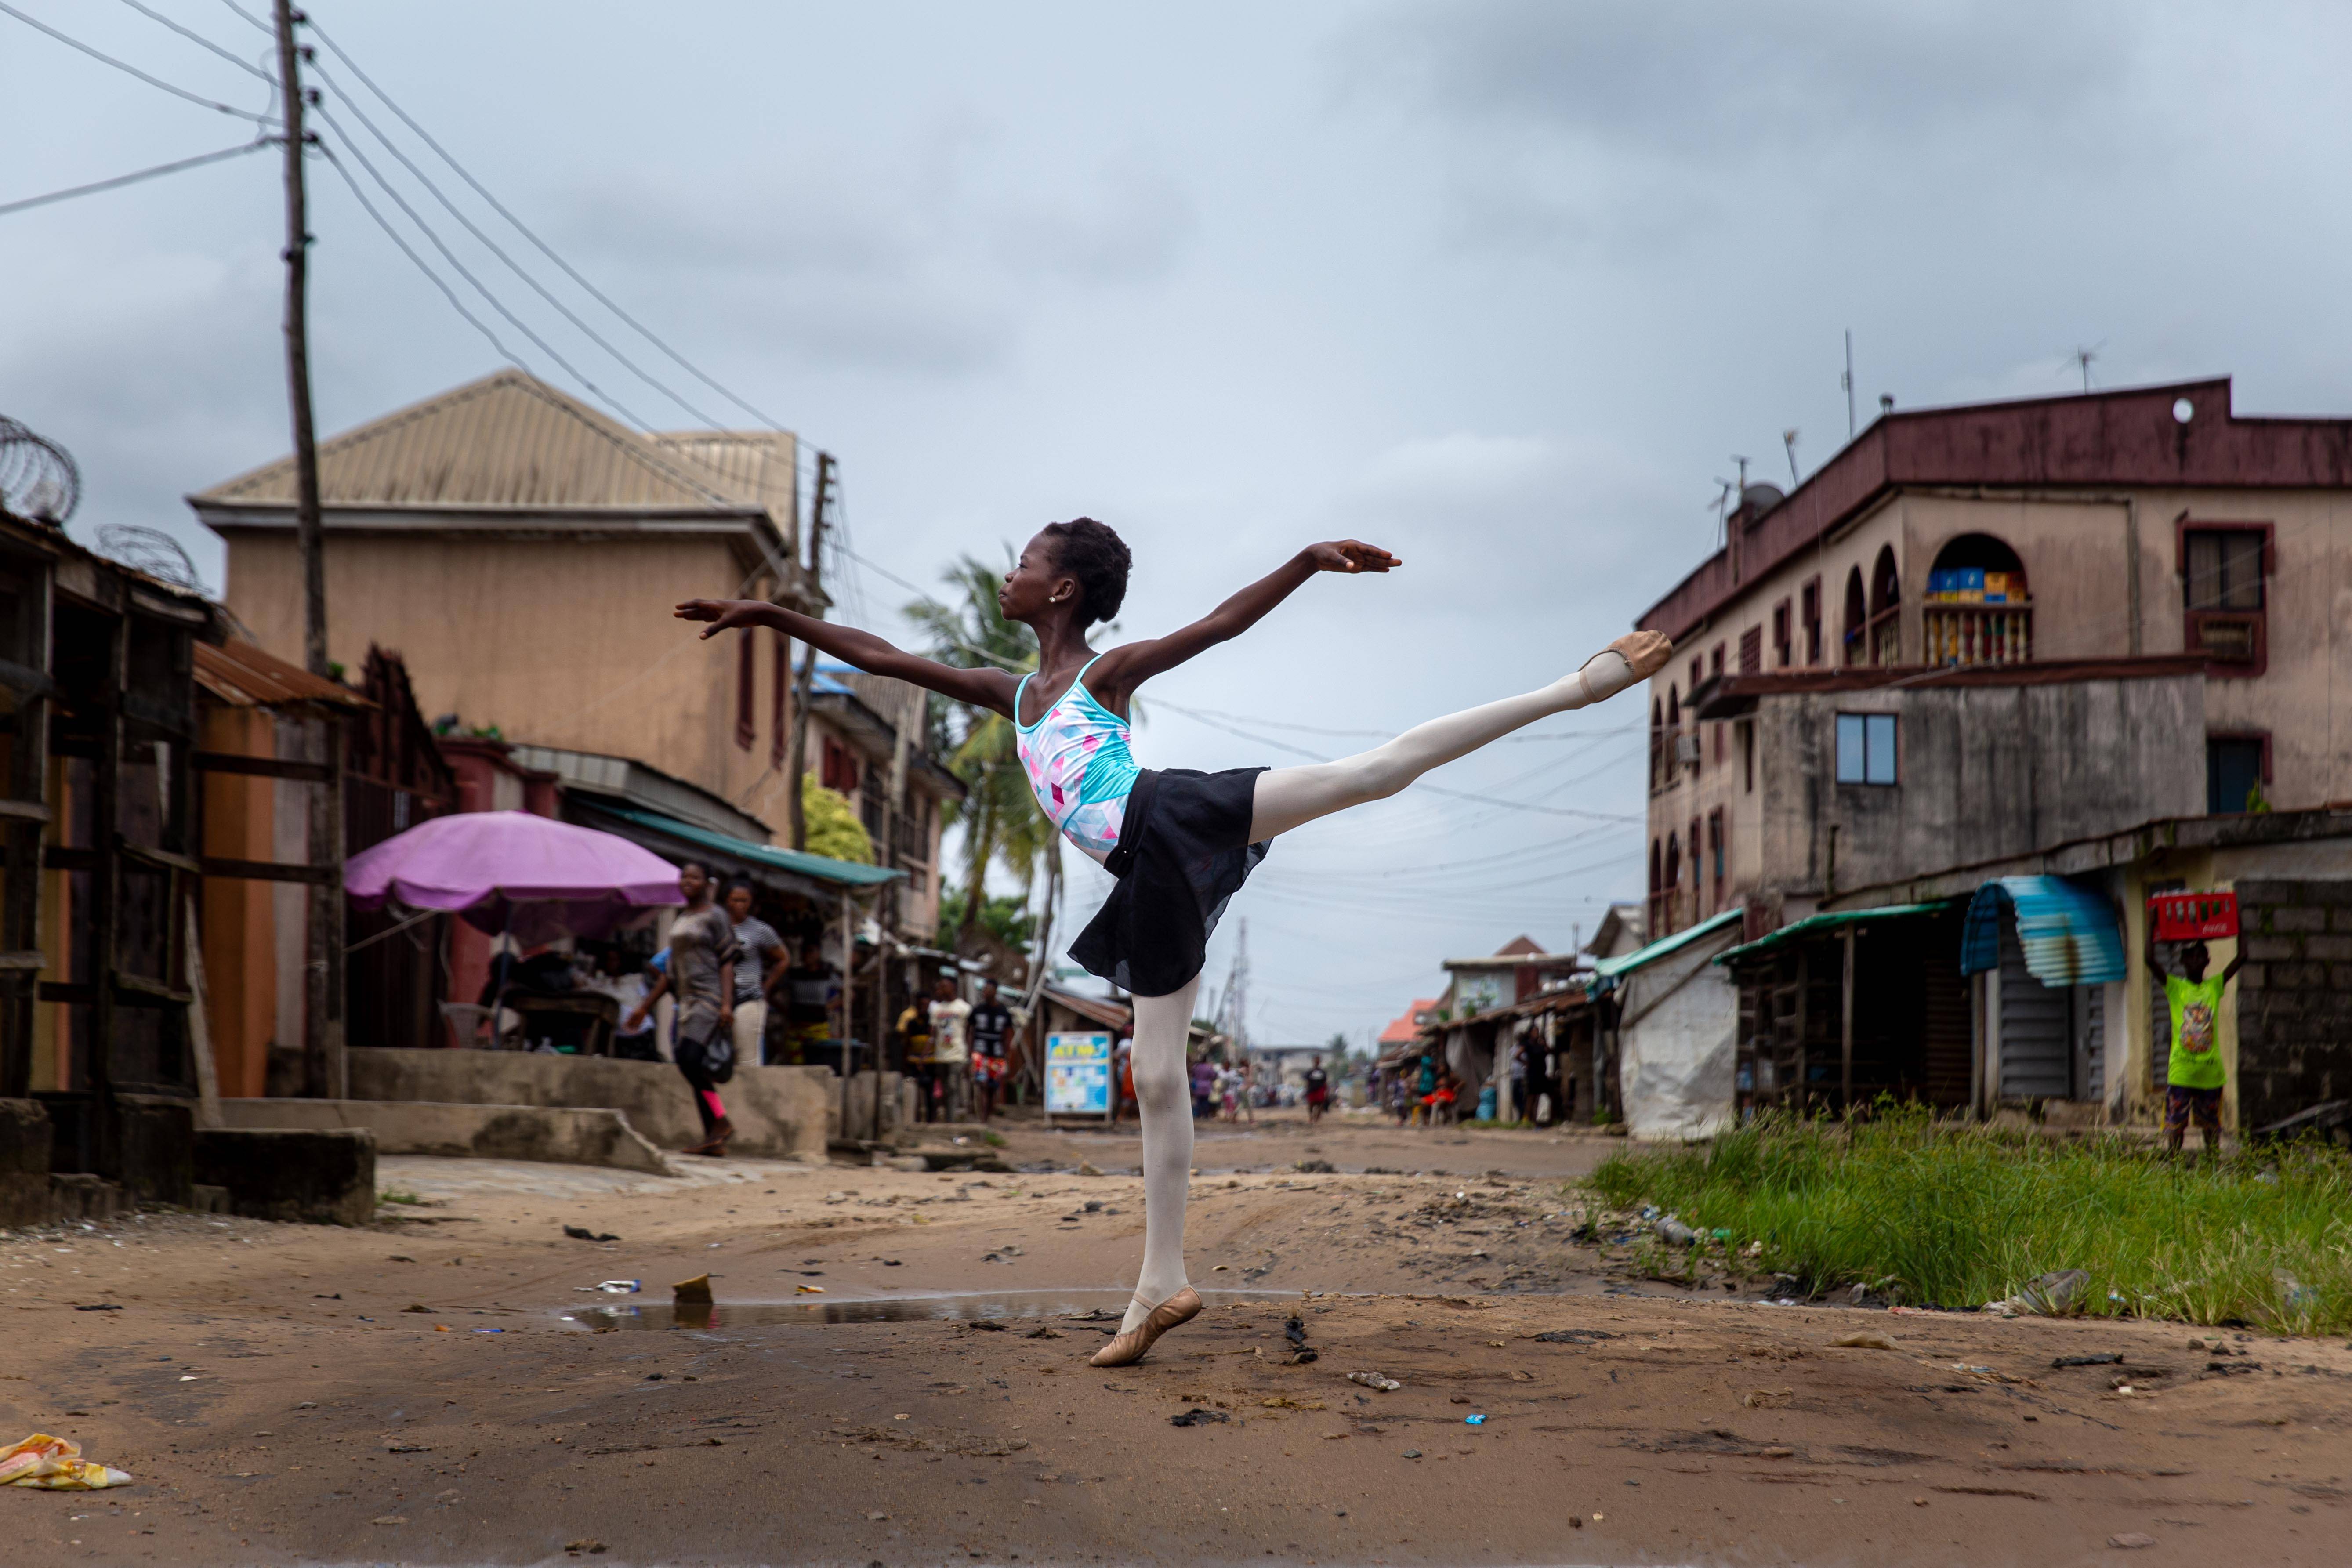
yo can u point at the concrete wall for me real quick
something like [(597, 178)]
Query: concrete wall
[(561, 1135), (23, 1164), (306, 1177), (1983, 772), (2294, 997), (780, 1113)]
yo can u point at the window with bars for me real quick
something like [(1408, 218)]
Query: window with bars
[(2223, 592), (1751, 652)]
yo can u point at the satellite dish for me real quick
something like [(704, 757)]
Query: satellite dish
[(37, 477), (152, 550), (1761, 497)]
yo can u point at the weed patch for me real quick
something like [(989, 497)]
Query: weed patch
[(1958, 1216)]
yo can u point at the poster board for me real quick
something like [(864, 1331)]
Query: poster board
[(1077, 1074)]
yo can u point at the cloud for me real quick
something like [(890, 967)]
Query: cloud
[(1498, 525), (147, 366), (1614, 131), (1684, 79), (931, 256)]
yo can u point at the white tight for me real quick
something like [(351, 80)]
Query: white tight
[(1163, 1091), (1286, 797)]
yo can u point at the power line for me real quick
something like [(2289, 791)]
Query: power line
[(71, 191), (249, 17), (199, 40), (155, 82), (493, 247), (480, 288), (410, 251), (521, 227)]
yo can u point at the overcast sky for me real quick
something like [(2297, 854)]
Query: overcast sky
[(1500, 285)]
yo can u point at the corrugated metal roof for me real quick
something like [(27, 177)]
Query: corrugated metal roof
[(763, 464), (242, 675), (1813, 925), (1607, 970), (2068, 931), (1110, 1014), (511, 440)]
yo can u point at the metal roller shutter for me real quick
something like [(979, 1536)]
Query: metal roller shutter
[(2037, 1056)]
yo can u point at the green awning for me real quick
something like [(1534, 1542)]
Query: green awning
[(1814, 925), (1605, 972), (800, 863)]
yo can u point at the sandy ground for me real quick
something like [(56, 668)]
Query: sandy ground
[(281, 1397)]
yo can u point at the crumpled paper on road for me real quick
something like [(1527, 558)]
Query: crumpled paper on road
[(55, 1464)]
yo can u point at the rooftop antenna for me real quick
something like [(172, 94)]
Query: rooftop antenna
[(1743, 470), (1789, 439), (1846, 381), (2082, 357), (1725, 490)]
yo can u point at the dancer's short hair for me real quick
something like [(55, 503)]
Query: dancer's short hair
[(1097, 557)]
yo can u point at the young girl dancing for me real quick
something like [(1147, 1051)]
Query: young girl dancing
[(1180, 842)]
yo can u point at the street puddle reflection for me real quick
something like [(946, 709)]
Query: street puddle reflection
[(967, 1306)]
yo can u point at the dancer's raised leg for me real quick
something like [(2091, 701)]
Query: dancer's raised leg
[(1286, 797), (1163, 1093)]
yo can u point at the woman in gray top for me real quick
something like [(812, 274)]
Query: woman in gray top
[(702, 976)]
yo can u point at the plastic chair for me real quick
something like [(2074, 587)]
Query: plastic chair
[(467, 1021)]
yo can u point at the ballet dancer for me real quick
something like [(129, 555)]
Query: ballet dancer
[(1180, 842)]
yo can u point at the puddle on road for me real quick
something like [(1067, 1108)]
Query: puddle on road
[(971, 1306)]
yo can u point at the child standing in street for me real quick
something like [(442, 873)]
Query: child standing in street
[(2194, 1076)]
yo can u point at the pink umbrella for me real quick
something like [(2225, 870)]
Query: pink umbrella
[(511, 871)]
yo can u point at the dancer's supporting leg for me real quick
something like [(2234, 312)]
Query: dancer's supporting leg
[(1163, 1094), (1287, 797)]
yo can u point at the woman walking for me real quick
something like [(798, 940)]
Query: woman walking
[(701, 974), (1180, 842)]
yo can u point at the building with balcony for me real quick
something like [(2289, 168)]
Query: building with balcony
[(1980, 630)]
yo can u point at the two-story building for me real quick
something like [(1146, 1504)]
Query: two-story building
[(522, 552), (1982, 629), (1975, 639)]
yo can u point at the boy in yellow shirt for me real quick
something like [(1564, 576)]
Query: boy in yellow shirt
[(2194, 1076)]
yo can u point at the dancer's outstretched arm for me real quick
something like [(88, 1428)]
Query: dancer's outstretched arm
[(991, 689), (1121, 669)]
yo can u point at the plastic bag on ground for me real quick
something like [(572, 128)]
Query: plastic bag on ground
[(55, 1464)]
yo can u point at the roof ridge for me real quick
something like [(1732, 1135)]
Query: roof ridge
[(639, 447)]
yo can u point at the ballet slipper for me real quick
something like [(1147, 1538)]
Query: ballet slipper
[(1129, 1347), (1645, 653)]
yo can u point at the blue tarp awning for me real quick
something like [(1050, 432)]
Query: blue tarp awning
[(2068, 931)]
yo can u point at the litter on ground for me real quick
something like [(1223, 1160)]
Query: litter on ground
[(55, 1464)]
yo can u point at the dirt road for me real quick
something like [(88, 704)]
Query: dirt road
[(437, 1391)]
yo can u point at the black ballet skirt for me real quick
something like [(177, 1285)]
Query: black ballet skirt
[(1184, 851)]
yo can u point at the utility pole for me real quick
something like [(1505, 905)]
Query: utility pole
[(324, 1075), (796, 756), (297, 349)]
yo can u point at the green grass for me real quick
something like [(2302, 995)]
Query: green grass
[(397, 1195), (1956, 1216)]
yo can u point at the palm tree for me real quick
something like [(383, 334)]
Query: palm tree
[(1000, 820)]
